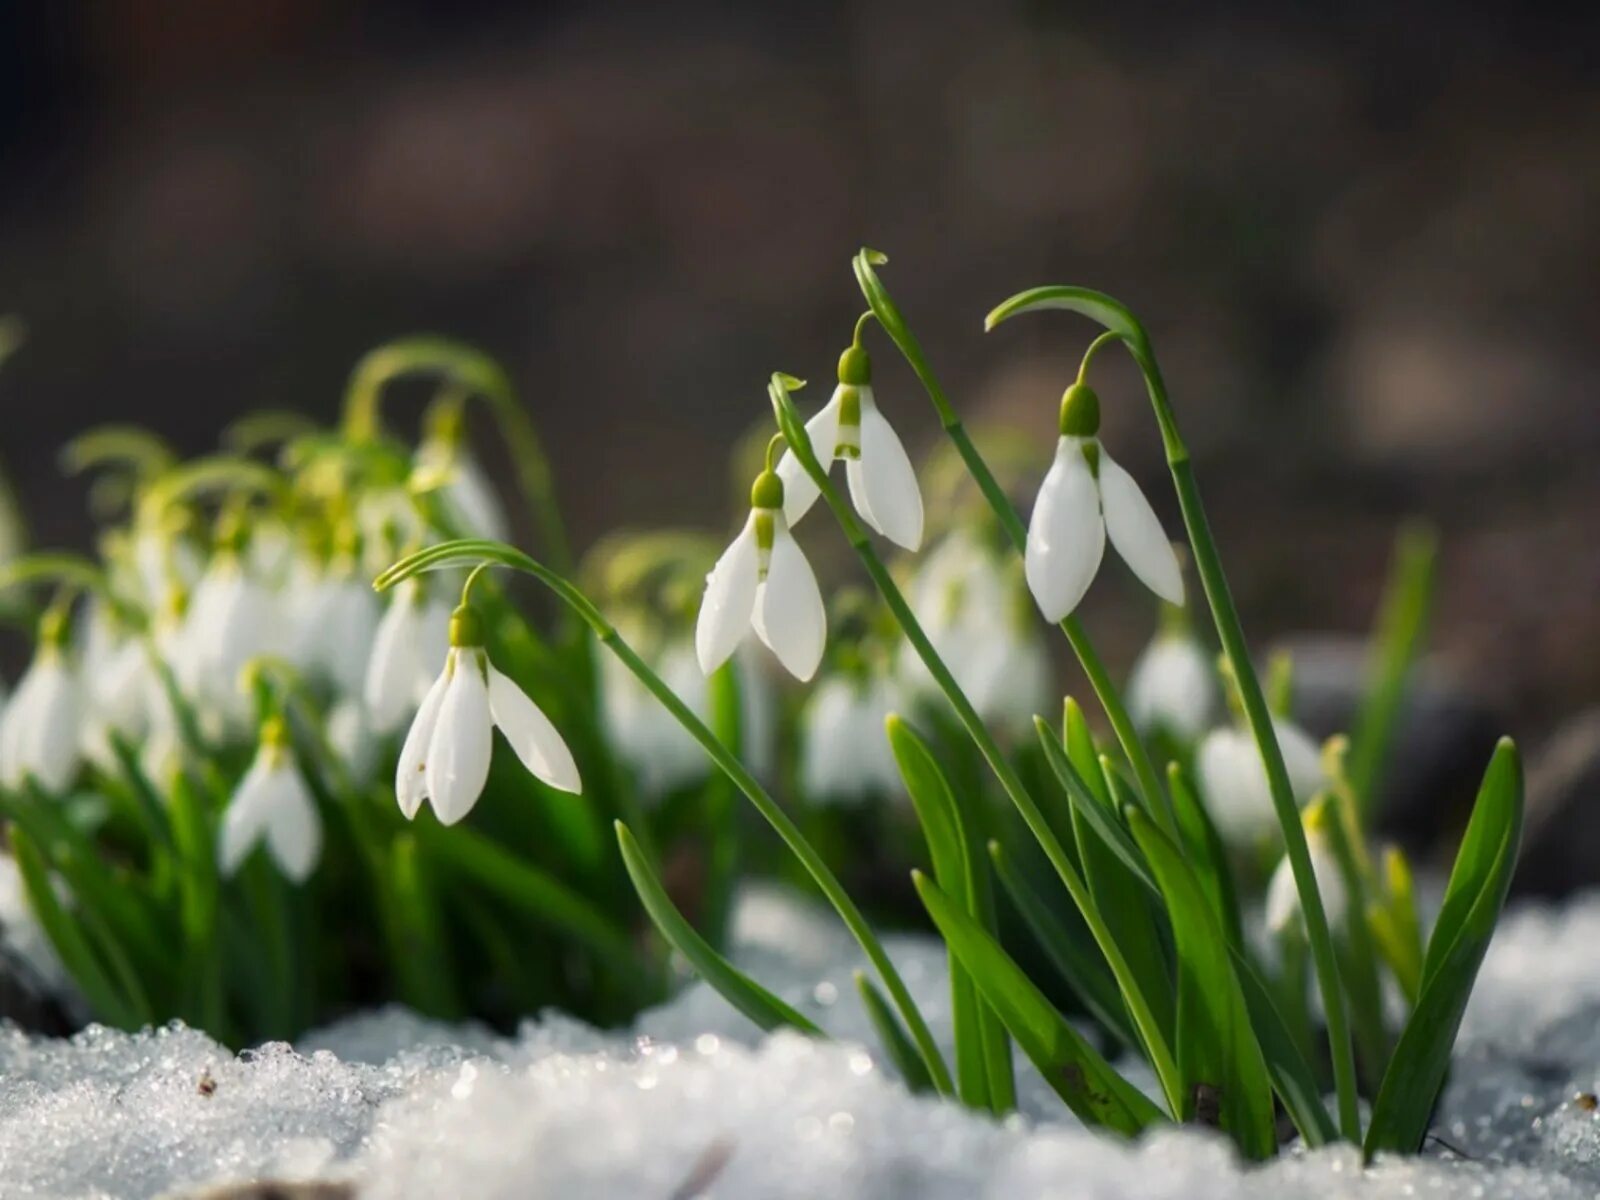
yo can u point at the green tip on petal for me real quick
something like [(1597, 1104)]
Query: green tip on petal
[(466, 627), (767, 491), (1080, 411)]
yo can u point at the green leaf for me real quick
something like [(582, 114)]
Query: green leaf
[(105, 1000), (1292, 1076), (892, 1035), (983, 1057), (1094, 811), (1080, 1076), (1207, 854), (1078, 962), (1218, 1053), (733, 985), (1398, 638), (1476, 894)]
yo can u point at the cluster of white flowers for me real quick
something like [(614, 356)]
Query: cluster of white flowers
[(187, 624)]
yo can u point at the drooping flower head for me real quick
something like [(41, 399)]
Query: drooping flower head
[(40, 732), (883, 485), (1086, 497), (1234, 779), (1173, 685), (412, 638), (273, 805), (1283, 912), (446, 754), (763, 582)]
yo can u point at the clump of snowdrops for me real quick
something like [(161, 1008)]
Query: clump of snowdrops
[(1127, 871)]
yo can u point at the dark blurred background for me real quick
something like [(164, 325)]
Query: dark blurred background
[(1365, 244)]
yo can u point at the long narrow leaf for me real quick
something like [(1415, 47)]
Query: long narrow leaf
[(1087, 1083), (1292, 1076), (1096, 813), (1078, 963), (982, 1054), (1477, 893), (1218, 1053), (732, 984), (892, 1035)]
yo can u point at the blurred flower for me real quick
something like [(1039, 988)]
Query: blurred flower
[(412, 636), (1234, 779), (1173, 686), (351, 737), (1283, 911), (763, 581), (273, 804), (845, 753), (40, 732), (232, 619), (660, 752), (971, 603), (883, 484), (1085, 497), (446, 754)]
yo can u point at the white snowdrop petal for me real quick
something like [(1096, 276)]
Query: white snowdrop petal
[(883, 482), (387, 686), (55, 731), (294, 830), (1066, 535), (410, 776), (1234, 784), (728, 601), (789, 616), (531, 735), (1173, 686), (245, 818), (800, 491), (1136, 532), (457, 766)]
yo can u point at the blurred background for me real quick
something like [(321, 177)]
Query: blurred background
[(1365, 246)]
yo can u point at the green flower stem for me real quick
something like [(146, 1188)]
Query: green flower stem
[(459, 553), (480, 374), (1155, 797), (1150, 1031), (1117, 318)]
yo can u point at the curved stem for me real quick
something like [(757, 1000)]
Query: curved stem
[(481, 375), (458, 553), (1117, 318), (1157, 802), (1149, 1029)]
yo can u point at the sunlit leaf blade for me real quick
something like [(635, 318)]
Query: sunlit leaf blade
[(1094, 812), (1079, 1075), (737, 988), (1207, 854), (1476, 894), (1218, 1054), (953, 849), (892, 1036), (1075, 958), (1292, 1077)]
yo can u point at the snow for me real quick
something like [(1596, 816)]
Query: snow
[(694, 1102)]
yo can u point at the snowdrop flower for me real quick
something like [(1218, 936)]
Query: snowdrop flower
[(973, 605), (411, 639), (1234, 779), (117, 691), (232, 619), (161, 556), (763, 582), (40, 731), (445, 758), (1087, 497), (1283, 898), (468, 496), (883, 485), (350, 735), (660, 751), (845, 753), (272, 804), (1173, 685), (346, 624)]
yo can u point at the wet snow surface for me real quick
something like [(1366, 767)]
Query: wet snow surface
[(695, 1103)]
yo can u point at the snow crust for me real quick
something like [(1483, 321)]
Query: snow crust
[(693, 1102)]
